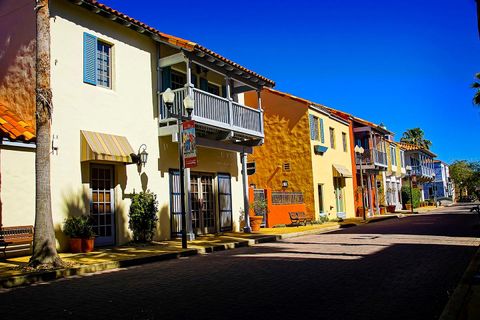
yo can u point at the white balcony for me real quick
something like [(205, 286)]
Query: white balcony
[(215, 117)]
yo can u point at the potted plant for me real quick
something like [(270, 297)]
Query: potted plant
[(80, 231), (382, 209), (256, 220), (391, 208), (408, 206)]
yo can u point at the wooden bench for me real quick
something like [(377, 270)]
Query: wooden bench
[(299, 218), (15, 236)]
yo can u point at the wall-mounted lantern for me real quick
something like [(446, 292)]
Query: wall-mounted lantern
[(285, 184), (142, 155)]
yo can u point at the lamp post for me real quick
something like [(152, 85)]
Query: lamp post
[(435, 190), (188, 103), (409, 172), (359, 150)]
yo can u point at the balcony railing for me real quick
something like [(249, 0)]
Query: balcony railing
[(373, 158), (216, 111), (423, 171)]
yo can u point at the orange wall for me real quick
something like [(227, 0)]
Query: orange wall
[(17, 57), (287, 139), (277, 214)]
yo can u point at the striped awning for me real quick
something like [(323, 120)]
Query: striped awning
[(341, 171), (105, 147)]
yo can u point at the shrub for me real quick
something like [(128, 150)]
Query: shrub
[(78, 227), (406, 196), (143, 216)]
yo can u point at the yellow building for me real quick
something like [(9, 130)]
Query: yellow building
[(307, 148), (108, 75)]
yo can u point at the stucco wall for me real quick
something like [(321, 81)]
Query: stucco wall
[(322, 166), (286, 141), (128, 109), (18, 186)]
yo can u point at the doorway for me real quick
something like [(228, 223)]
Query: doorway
[(339, 183), (202, 203), (102, 208)]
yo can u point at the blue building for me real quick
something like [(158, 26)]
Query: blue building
[(441, 187)]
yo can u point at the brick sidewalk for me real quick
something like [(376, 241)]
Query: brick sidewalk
[(13, 271)]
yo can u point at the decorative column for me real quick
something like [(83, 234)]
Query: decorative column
[(246, 204)]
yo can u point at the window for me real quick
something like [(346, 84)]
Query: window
[(332, 138), (314, 128), (178, 80), (286, 166), (393, 155), (97, 61), (402, 158), (214, 89), (344, 141)]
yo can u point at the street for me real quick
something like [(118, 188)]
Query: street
[(394, 269)]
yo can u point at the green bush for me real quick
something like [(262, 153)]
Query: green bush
[(143, 216), (78, 227), (406, 196)]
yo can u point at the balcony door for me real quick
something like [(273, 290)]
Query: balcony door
[(102, 207), (202, 203)]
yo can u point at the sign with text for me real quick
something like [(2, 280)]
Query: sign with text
[(189, 144)]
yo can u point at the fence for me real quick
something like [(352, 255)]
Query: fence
[(279, 197)]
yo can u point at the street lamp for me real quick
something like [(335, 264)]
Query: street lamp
[(168, 98), (409, 172), (359, 150)]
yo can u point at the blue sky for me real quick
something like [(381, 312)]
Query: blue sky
[(404, 63)]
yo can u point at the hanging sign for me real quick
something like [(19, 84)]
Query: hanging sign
[(189, 144)]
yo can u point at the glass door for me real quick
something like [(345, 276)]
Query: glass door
[(202, 203), (102, 204)]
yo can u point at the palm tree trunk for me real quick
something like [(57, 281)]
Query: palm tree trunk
[(44, 245)]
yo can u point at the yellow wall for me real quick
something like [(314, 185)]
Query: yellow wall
[(322, 166), (17, 186)]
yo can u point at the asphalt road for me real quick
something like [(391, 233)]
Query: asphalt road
[(395, 269)]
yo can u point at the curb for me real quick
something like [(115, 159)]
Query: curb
[(457, 305), (44, 276)]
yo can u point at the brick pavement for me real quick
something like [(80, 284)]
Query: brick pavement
[(395, 269)]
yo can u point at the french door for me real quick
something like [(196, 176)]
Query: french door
[(202, 203), (102, 209)]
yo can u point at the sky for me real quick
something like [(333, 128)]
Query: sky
[(405, 64)]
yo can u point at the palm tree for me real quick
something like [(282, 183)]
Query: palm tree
[(476, 85), (44, 245), (415, 136)]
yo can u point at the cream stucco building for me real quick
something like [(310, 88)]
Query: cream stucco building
[(108, 73)]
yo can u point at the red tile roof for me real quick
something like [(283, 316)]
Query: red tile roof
[(13, 127), (413, 147), (176, 41)]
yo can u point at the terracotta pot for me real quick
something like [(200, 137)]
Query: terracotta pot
[(75, 245), (88, 244), (408, 206), (382, 210), (255, 222), (391, 208)]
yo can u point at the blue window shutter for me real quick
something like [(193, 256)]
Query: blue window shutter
[(203, 84), (322, 134), (89, 59), (166, 78)]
